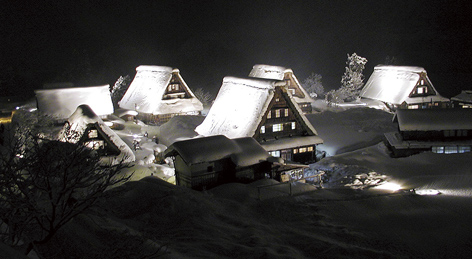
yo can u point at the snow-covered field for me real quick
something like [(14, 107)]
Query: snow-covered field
[(150, 217)]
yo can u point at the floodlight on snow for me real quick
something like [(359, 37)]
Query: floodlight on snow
[(391, 186)]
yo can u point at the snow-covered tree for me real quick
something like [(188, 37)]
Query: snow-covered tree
[(353, 79), (313, 85), (119, 89), (204, 96), (44, 184)]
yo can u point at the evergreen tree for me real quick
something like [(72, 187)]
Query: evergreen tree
[(353, 79), (119, 89)]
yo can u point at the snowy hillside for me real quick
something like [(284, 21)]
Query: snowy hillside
[(150, 217)]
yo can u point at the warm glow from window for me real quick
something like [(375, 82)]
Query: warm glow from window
[(277, 113), (294, 126), (263, 129), (277, 127), (310, 149), (93, 133), (275, 153), (295, 150), (286, 112), (302, 150), (269, 115)]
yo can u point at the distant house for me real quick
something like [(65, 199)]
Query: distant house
[(299, 94), (404, 87), (203, 163), (158, 93), (60, 103), (437, 130), (262, 109), (463, 100), (86, 128)]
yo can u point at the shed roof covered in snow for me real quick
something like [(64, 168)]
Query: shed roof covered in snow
[(434, 119), (77, 124), (242, 151), (62, 102), (464, 96), (396, 84), (146, 92)]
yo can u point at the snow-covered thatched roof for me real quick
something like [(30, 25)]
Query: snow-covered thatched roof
[(145, 93), (238, 108), (394, 84), (80, 120), (62, 102), (240, 105), (281, 73), (434, 119), (242, 151)]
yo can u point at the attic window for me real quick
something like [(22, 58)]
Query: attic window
[(421, 90), (277, 113), (93, 133), (292, 91), (286, 112), (269, 115), (294, 126), (263, 129)]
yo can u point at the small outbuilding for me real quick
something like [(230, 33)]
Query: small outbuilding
[(438, 130), (203, 163), (463, 100), (403, 87), (158, 93)]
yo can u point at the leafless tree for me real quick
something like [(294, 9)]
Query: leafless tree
[(44, 184), (204, 96)]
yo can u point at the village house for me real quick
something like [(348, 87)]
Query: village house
[(203, 163), (262, 109), (60, 103), (158, 93), (438, 130), (299, 94), (84, 127), (462, 100), (403, 87)]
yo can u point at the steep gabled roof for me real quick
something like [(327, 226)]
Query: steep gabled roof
[(62, 102), (238, 108), (241, 105), (146, 91), (282, 73), (434, 119), (242, 151), (395, 84), (80, 121)]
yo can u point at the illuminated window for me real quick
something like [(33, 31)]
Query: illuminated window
[(93, 133), (277, 127), (450, 150), (269, 115), (263, 129), (275, 153), (292, 91), (464, 149), (302, 149), (95, 144), (413, 106), (277, 99), (309, 149), (438, 150), (277, 113), (286, 112), (294, 126), (295, 150)]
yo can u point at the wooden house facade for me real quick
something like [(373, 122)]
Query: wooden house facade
[(158, 93), (403, 87), (262, 109), (299, 94), (437, 130), (203, 163)]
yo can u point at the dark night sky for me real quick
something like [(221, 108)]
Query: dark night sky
[(47, 41)]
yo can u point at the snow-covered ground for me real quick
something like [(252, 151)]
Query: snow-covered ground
[(152, 217)]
